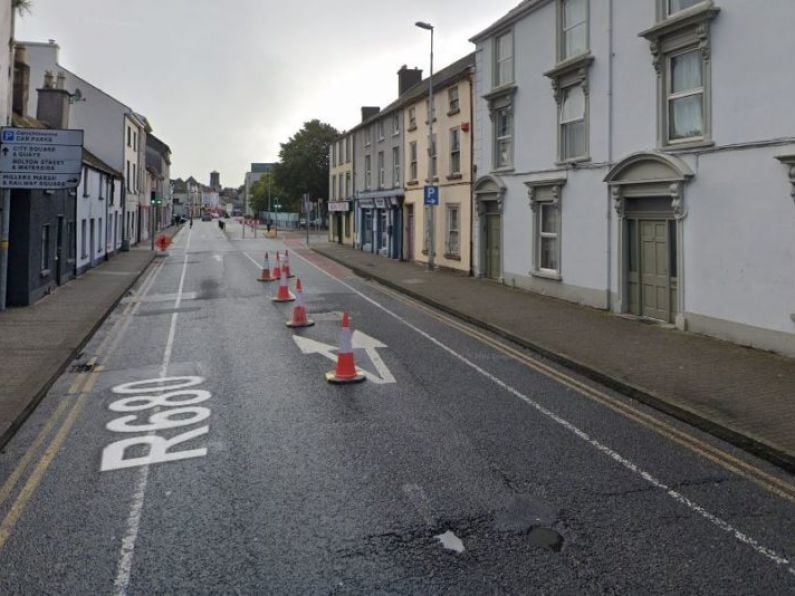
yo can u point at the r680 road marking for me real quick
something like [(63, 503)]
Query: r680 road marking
[(155, 394)]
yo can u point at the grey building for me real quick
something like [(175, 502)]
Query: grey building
[(378, 167)]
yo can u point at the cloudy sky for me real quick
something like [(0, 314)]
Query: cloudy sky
[(223, 82)]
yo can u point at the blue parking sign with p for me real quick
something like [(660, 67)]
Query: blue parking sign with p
[(431, 195)]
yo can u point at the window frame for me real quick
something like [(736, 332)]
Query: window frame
[(562, 154), (413, 161), (669, 96), (500, 139), (546, 194), (413, 118), (561, 31), (395, 167), (455, 151), (368, 171), (381, 169), (498, 60), (379, 128), (395, 124), (673, 35), (454, 103), (433, 157), (449, 253)]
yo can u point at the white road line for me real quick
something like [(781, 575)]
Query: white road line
[(127, 551), (767, 553)]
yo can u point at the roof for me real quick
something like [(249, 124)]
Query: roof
[(158, 145), (511, 16), (93, 161), (441, 79)]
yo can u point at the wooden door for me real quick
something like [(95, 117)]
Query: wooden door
[(410, 233), (655, 270), (492, 246)]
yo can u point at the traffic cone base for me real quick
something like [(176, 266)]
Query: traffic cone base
[(299, 318), (280, 298), (331, 377), (265, 275)]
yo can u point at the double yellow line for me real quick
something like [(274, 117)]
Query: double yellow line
[(74, 401), (769, 482), (66, 414)]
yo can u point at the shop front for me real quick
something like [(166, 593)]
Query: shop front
[(380, 222)]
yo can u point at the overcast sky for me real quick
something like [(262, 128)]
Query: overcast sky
[(223, 82)]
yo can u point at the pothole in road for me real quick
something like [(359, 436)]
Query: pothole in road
[(546, 538)]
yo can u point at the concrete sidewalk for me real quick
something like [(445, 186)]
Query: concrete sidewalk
[(744, 396), (38, 342)]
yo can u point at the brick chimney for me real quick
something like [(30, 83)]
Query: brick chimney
[(407, 78), (21, 80), (369, 111), (53, 107)]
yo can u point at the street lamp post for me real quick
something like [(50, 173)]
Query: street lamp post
[(432, 247)]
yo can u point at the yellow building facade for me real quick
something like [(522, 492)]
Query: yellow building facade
[(448, 166), (341, 190)]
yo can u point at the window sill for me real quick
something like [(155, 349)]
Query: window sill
[(687, 145), (455, 176), (545, 274), (454, 112), (424, 251), (570, 65), (412, 183), (503, 170), (411, 128), (573, 161), (507, 89), (452, 257)]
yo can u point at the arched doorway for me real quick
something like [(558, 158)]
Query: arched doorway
[(648, 195), (489, 193)]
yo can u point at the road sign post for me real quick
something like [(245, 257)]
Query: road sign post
[(431, 200)]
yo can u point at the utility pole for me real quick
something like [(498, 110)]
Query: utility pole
[(431, 149)]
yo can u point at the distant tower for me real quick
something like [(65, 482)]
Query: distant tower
[(215, 180)]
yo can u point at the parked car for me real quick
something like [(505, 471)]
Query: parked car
[(206, 216)]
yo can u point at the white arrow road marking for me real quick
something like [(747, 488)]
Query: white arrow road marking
[(371, 346), (360, 340)]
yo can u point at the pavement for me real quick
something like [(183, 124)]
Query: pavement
[(38, 342), (741, 395)]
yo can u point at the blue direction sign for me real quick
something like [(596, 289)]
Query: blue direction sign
[(431, 195), (36, 158)]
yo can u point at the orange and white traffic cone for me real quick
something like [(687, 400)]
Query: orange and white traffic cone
[(299, 310), (265, 274), (277, 271), (286, 265), (346, 371), (283, 293)]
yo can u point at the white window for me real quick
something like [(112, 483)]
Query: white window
[(452, 96), (339, 194), (455, 150), (85, 181), (685, 97), (548, 246), (432, 157), (395, 167), (367, 171), (333, 187), (677, 5), (452, 243), (381, 173), (503, 138), (129, 136), (380, 129), (412, 118), (135, 141), (574, 28), (413, 160), (129, 179), (367, 135), (334, 155), (395, 124), (347, 184), (503, 59), (572, 124), (99, 231)]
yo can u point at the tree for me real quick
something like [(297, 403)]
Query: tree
[(259, 192), (303, 163), (22, 6)]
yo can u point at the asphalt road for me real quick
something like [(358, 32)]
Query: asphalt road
[(196, 448)]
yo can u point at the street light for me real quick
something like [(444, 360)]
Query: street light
[(431, 248)]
